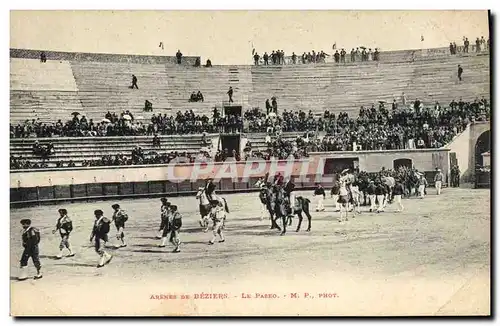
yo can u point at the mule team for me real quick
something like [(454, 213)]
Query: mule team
[(277, 198)]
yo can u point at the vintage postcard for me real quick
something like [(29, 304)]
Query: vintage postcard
[(250, 163)]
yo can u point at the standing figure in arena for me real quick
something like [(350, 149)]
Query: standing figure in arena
[(438, 180), (173, 227), (343, 199), (398, 193), (422, 184), (218, 215), (120, 217), (380, 192), (64, 225), (31, 239), (99, 234), (335, 194), (370, 190), (320, 192), (164, 211)]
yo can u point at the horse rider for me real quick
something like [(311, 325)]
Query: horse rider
[(289, 189), (209, 189)]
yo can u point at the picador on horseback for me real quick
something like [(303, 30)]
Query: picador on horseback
[(209, 189)]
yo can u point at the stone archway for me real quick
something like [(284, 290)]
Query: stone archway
[(483, 145)]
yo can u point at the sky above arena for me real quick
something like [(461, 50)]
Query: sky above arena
[(228, 37)]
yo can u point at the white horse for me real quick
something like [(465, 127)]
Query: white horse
[(345, 198), (206, 208)]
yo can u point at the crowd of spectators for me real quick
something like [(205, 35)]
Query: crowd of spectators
[(127, 125), (381, 127), (481, 45), (278, 58)]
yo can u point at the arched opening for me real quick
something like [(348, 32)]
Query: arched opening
[(483, 145), (402, 162)]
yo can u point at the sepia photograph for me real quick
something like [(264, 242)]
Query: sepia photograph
[(250, 163)]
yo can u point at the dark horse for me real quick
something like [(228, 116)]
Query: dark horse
[(278, 206)]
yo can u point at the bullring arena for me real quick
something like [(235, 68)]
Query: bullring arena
[(85, 135), (432, 259)]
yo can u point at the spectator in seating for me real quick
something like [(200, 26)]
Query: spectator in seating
[(156, 141), (256, 58), (209, 63), (268, 106), (230, 94), (134, 82), (200, 97), (178, 55), (274, 104), (148, 107), (193, 97), (466, 45), (336, 56)]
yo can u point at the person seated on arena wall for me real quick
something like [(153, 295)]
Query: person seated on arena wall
[(208, 64), (197, 62)]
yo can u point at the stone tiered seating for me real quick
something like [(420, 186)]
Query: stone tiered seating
[(212, 82), (105, 86), (347, 87), (93, 148), (258, 140), (55, 89), (42, 90)]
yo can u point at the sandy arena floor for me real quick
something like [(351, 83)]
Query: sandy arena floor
[(432, 259)]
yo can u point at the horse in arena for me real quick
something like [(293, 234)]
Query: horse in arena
[(346, 197), (206, 208), (301, 206)]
